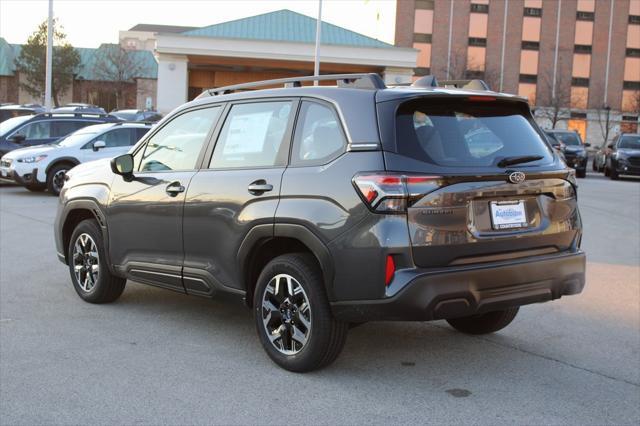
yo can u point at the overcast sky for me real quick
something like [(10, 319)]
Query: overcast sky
[(91, 22)]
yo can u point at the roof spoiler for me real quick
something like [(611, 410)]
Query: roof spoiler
[(430, 81), (370, 81)]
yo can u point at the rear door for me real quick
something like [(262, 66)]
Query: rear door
[(476, 206), (237, 188)]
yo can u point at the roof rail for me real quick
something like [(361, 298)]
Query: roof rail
[(474, 84), (75, 114), (369, 81)]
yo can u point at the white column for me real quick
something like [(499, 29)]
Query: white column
[(173, 82)]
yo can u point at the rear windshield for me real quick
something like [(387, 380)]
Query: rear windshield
[(568, 138), (629, 142), (466, 134)]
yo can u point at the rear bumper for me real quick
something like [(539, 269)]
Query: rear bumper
[(473, 290)]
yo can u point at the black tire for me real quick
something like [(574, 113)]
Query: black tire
[(53, 177), (106, 287), (484, 323), (581, 173), (325, 336), (36, 188), (606, 171), (593, 166), (613, 174)]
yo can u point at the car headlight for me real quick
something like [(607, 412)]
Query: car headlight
[(33, 159)]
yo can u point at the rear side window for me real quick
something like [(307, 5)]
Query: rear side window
[(319, 137), (253, 136), (63, 128), (117, 138), (466, 134)]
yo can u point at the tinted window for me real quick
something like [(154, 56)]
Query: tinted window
[(36, 130), (176, 146), (466, 134), (12, 123), (318, 138), (140, 133), (568, 138), (63, 128), (629, 142), (252, 136)]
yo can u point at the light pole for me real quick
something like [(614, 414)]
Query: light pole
[(316, 65), (49, 63)]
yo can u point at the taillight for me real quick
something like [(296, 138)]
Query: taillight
[(389, 270), (392, 192)]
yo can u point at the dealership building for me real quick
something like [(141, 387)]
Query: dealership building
[(579, 58), (272, 45)]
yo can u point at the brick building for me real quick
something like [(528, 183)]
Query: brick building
[(578, 60)]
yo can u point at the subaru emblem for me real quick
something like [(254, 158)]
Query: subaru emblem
[(516, 177)]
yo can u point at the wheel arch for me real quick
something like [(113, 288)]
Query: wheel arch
[(265, 242), (69, 160)]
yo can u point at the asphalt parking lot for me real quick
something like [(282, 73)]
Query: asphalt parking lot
[(158, 357)]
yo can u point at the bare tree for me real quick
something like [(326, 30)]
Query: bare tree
[(556, 105), (605, 123), (120, 67)]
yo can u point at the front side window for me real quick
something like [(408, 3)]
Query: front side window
[(37, 130), (177, 145), (116, 138), (253, 136), (466, 134), (319, 137)]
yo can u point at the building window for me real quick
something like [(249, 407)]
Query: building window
[(424, 4), (528, 62), (584, 33), (582, 48), (421, 71), (584, 16), (531, 28), (528, 90), (479, 8), (476, 41), (631, 100), (631, 85), (579, 126), (528, 78), (581, 66), (631, 69), (476, 58), (579, 115), (634, 19), (423, 22), (422, 38), (579, 97), (424, 54), (533, 12), (580, 82), (530, 45), (633, 53)]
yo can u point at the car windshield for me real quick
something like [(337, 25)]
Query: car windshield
[(466, 134), (629, 142), (12, 123), (75, 138), (127, 116), (568, 138)]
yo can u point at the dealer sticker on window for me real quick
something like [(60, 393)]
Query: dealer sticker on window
[(508, 214)]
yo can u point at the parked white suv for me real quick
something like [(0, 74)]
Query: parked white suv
[(43, 167)]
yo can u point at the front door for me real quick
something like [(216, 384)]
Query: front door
[(237, 191), (145, 214), (116, 142)]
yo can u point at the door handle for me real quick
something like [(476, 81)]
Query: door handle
[(174, 188), (259, 187)]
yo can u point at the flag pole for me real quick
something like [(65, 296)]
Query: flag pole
[(316, 65), (49, 63)]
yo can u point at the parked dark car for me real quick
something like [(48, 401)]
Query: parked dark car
[(146, 116), (324, 206), (10, 111), (573, 149), (30, 130), (622, 156)]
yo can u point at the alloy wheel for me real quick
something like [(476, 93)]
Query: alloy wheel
[(58, 180), (286, 314), (86, 262)]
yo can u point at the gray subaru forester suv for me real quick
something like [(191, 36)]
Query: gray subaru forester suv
[(327, 206)]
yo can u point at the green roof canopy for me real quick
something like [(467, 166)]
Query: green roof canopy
[(285, 25)]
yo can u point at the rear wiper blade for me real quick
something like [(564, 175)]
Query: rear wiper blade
[(510, 161)]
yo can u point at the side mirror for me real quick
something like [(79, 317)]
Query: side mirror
[(587, 145), (18, 138), (610, 146), (97, 145), (123, 165)]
